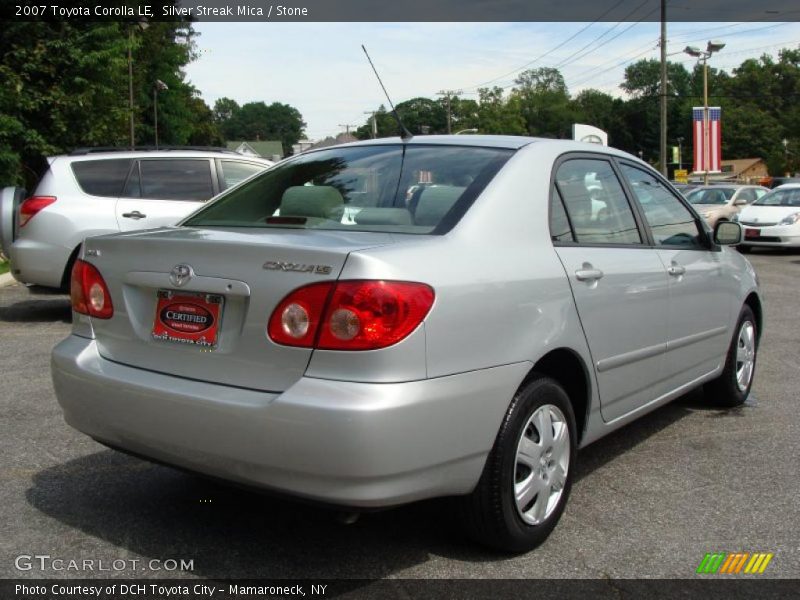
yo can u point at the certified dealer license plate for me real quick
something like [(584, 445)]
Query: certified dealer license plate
[(188, 318)]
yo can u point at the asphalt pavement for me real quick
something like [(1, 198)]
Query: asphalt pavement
[(649, 500)]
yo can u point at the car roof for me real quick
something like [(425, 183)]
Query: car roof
[(510, 142), (786, 186), (95, 155)]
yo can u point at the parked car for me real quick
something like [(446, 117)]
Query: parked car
[(463, 342), (91, 192), (722, 202), (773, 220), (684, 188), (779, 181)]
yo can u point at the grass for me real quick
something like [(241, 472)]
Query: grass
[(3, 266)]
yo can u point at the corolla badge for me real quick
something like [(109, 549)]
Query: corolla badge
[(180, 275)]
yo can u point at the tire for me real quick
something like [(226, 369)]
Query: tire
[(491, 513), (733, 385), (744, 249)]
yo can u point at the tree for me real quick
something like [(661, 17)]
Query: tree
[(544, 102), (602, 110), (259, 121), (54, 75), (496, 115)]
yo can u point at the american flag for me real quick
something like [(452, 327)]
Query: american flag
[(707, 159)]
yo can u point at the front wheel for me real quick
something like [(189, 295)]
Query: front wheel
[(527, 478), (732, 387)]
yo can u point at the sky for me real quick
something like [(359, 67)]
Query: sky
[(320, 69)]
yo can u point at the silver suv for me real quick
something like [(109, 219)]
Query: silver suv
[(91, 192)]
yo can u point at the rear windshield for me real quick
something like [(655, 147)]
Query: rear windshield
[(392, 188), (786, 197), (710, 195)]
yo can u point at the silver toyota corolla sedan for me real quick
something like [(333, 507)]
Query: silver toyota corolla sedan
[(383, 322)]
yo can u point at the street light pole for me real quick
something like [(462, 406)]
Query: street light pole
[(705, 118), (704, 56), (130, 85), (159, 85), (663, 128), (142, 24), (680, 153)]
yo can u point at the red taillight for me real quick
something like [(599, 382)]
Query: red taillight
[(296, 319), (88, 291), (350, 315), (31, 206)]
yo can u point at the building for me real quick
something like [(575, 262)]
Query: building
[(271, 150), (744, 170)]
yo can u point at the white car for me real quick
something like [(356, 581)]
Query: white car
[(773, 220), (90, 192)]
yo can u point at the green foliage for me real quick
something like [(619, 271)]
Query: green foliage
[(759, 103), (65, 85), (259, 121), (544, 102)]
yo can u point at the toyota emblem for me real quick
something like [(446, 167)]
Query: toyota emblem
[(180, 275)]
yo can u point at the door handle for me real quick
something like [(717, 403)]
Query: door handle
[(588, 274), (134, 215), (676, 270)]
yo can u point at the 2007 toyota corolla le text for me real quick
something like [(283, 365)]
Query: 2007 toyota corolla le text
[(492, 304)]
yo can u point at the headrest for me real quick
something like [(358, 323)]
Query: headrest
[(322, 201), (434, 202), (383, 216)]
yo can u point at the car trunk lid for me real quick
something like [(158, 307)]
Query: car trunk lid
[(246, 272)]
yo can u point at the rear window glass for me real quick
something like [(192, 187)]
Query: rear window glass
[(393, 188), (102, 177)]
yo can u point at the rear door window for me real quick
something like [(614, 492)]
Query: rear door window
[(172, 179), (595, 202), (102, 177)]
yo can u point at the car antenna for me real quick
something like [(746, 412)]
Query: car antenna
[(405, 134)]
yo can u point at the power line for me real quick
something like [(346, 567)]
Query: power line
[(567, 60), (541, 56)]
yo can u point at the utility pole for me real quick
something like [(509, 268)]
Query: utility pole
[(347, 127), (374, 122), (663, 148), (447, 95)]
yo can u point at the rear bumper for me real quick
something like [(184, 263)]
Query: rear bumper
[(39, 263), (345, 443)]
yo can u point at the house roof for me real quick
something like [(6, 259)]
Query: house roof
[(741, 164), (264, 148), (342, 138)]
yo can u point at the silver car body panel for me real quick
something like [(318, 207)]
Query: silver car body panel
[(341, 442), (416, 419)]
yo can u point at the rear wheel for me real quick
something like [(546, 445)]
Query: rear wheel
[(732, 387), (527, 478)]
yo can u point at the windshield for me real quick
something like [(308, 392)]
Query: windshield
[(710, 195), (392, 188), (787, 197)]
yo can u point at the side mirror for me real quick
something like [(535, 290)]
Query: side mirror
[(727, 233), (740, 202)]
